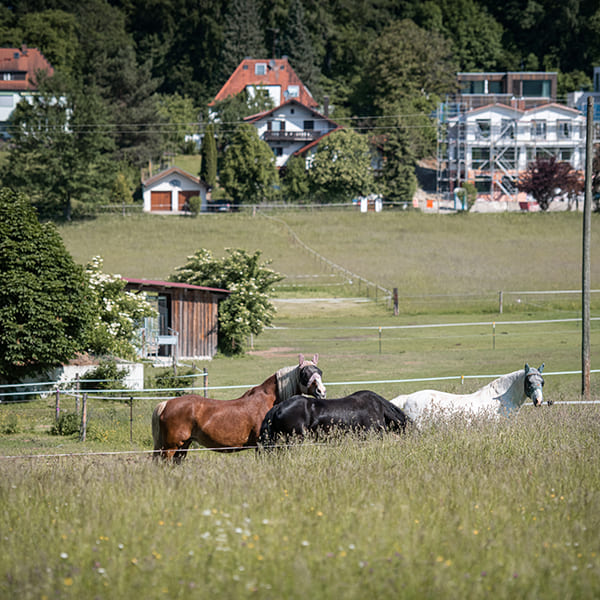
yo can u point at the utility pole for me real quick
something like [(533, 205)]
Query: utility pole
[(585, 270)]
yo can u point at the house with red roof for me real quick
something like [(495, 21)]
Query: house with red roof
[(292, 129), (274, 76), (294, 126), (20, 69)]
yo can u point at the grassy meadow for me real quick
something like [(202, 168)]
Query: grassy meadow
[(509, 509)]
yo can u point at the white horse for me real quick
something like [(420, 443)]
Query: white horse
[(502, 397)]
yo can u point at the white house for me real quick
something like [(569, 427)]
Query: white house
[(492, 145), (291, 128), (167, 192), (19, 71)]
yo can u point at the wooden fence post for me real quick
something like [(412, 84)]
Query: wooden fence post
[(131, 419), (57, 407), (83, 429)]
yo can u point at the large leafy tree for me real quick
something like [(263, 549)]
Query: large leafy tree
[(54, 31), (59, 151), (341, 167), (295, 184), (45, 304), (408, 70), (180, 115), (248, 309), (248, 172), (545, 178), (398, 176), (116, 316)]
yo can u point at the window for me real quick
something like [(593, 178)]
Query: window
[(293, 91), (563, 130), (539, 89), (480, 157), (6, 101), (495, 87), (309, 125), (538, 130), (274, 125), (277, 151), (473, 87), (482, 129), (260, 69)]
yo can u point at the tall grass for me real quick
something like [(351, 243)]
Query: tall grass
[(506, 510)]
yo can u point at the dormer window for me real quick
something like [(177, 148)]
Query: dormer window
[(260, 69), (293, 91)]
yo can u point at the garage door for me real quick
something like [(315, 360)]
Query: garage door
[(184, 195), (160, 201)]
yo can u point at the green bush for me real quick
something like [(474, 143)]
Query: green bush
[(168, 380), (195, 204), (106, 376), (10, 424), (66, 424)]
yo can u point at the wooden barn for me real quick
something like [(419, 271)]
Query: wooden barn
[(186, 325)]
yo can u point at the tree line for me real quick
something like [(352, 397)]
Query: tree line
[(133, 80)]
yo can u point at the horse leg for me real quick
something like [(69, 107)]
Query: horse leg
[(181, 452)]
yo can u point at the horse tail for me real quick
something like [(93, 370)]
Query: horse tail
[(395, 416), (267, 435), (156, 431)]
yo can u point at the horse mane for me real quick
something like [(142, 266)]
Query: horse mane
[(501, 386), (287, 382)]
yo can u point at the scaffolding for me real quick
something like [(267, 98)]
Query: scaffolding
[(492, 154)]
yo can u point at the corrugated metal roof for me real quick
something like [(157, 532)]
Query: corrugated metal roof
[(172, 284)]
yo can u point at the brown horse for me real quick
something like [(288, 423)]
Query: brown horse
[(229, 424)]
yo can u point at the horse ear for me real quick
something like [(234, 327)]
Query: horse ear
[(541, 369), (526, 368), (300, 359), (315, 359)]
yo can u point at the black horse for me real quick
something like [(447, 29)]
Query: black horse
[(358, 412)]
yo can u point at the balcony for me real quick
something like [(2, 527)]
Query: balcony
[(292, 136)]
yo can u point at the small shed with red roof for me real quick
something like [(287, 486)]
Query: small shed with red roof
[(187, 322), (170, 190)]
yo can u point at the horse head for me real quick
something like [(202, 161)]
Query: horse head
[(310, 377), (534, 382)]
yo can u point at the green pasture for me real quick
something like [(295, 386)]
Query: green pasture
[(506, 510)]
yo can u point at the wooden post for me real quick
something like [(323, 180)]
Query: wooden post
[(396, 312), (500, 302), (131, 419), (77, 393), (585, 270), (380, 340), (83, 429), (57, 408), (205, 373)]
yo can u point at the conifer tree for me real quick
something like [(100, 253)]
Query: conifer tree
[(208, 153), (243, 35)]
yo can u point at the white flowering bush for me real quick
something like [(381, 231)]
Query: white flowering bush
[(248, 309), (118, 313)]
